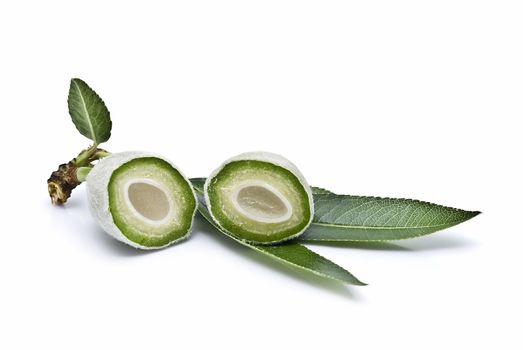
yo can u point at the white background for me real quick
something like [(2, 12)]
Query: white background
[(418, 99)]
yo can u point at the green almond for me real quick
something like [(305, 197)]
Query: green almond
[(259, 197), (141, 199)]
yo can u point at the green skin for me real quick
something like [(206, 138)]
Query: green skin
[(253, 231), (182, 194)]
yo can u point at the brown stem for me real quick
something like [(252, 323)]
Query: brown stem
[(64, 180)]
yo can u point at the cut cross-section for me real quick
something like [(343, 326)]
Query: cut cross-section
[(259, 197), (141, 199)]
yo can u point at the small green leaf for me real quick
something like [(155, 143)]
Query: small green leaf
[(354, 218), (292, 254), (88, 112)]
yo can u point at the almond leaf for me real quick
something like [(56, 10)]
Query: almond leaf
[(88, 112)]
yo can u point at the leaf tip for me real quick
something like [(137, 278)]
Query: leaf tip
[(355, 281), (473, 214), (77, 80)]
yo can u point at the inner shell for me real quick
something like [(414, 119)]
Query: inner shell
[(148, 200), (259, 203)]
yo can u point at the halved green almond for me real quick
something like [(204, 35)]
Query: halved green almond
[(259, 197), (141, 199)]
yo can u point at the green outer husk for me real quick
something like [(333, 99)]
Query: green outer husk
[(130, 232), (242, 232)]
